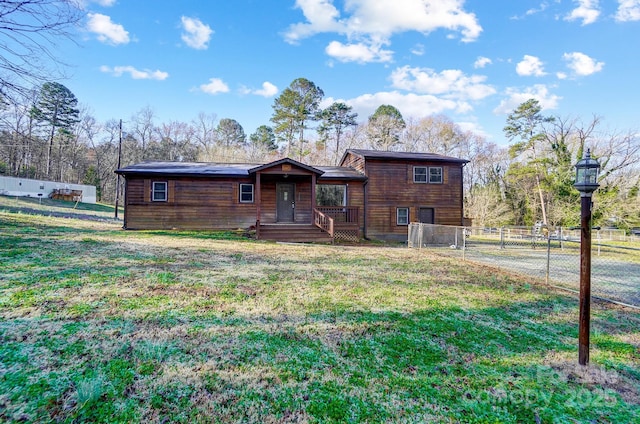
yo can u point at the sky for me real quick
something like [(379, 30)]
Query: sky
[(472, 61)]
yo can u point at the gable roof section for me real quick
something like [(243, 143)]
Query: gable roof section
[(286, 161), (387, 155)]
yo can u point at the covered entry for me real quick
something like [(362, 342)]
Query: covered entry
[(285, 202), (286, 205)]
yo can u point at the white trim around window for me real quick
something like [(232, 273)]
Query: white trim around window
[(246, 193), (402, 216), (420, 174), (428, 175), (435, 175), (159, 191)]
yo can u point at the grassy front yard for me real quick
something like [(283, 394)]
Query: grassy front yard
[(102, 325)]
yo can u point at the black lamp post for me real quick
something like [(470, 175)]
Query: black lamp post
[(587, 170)]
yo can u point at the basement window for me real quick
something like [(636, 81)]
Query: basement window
[(246, 193), (159, 191), (402, 216)]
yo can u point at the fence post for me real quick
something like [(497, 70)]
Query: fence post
[(501, 237), (420, 235), (548, 259), (464, 243)]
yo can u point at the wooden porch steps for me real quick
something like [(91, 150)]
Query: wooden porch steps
[(296, 233)]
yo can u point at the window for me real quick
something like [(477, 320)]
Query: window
[(402, 216), (331, 195), (158, 191), (246, 193), (419, 174), (435, 175), (432, 175)]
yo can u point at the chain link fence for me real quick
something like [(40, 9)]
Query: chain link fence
[(550, 254)]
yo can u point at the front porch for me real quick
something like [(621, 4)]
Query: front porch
[(287, 210), (330, 224)]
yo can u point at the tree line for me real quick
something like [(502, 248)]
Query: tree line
[(46, 135)]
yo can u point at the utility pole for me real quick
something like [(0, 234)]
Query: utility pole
[(118, 167)]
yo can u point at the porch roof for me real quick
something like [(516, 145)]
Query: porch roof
[(288, 161)]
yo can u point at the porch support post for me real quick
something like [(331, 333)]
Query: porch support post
[(258, 198), (313, 191)]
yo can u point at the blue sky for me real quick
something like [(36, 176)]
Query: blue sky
[(473, 61)]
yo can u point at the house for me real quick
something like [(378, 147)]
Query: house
[(372, 194), (24, 187)]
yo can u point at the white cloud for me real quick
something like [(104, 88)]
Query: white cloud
[(515, 98), (481, 62), (321, 16), (369, 24), (530, 65), (450, 83), (215, 86), (409, 104), (197, 34), (118, 71), (358, 52), (587, 11), (418, 50), (267, 90), (543, 6), (107, 31), (104, 3), (628, 10), (581, 64)]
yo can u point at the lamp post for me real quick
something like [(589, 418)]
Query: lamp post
[(586, 183)]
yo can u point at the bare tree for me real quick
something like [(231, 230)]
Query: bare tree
[(29, 30), (143, 128), (204, 132), (434, 134)]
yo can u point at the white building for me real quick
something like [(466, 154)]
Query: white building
[(23, 187)]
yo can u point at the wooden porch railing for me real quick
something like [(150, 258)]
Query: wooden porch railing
[(341, 214), (324, 222)]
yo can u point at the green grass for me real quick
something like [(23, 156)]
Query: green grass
[(103, 325), (61, 208)]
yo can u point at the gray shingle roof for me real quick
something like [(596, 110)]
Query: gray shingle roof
[(202, 169), (340, 173), (383, 154), (188, 168)]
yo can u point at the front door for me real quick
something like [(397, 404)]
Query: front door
[(285, 204), (425, 215)]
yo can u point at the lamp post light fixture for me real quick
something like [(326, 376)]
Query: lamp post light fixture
[(587, 170)]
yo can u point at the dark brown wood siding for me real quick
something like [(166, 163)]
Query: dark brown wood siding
[(354, 161), (391, 186), (193, 204)]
